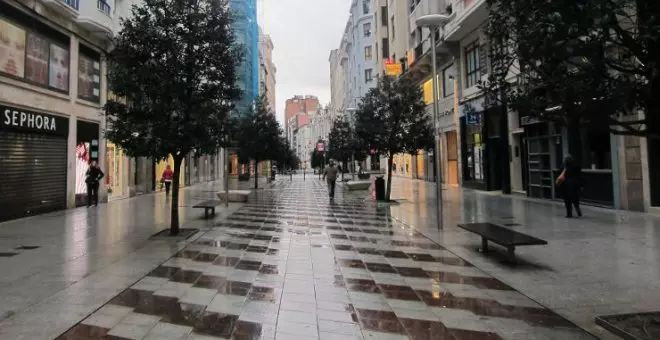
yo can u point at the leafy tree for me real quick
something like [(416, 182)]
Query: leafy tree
[(392, 119), (258, 135), (584, 62), (173, 67), (341, 141), (285, 154)]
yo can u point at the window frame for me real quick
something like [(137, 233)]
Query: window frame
[(370, 55), (445, 94), (368, 75), (472, 75), (366, 28)]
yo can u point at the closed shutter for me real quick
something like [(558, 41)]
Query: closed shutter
[(33, 174)]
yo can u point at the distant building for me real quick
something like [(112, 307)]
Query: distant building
[(267, 70), (300, 104)]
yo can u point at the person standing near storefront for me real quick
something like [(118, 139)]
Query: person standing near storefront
[(570, 180), (92, 178), (166, 178)]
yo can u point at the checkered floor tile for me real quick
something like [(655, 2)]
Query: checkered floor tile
[(293, 265)]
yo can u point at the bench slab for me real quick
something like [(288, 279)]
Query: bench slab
[(236, 196), (357, 185), (502, 236), (208, 206)]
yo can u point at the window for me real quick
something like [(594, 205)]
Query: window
[(103, 6), (383, 16), (393, 30), (472, 65), (367, 53), (368, 75), (365, 7), (367, 29), (89, 74), (33, 57), (386, 48), (447, 82)]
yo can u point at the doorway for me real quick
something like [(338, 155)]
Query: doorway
[(452, 157)]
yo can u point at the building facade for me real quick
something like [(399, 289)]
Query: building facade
[(267, 70), (52, 89), (299, 104), (338, 68)]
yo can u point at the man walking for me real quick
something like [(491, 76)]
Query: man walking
[(330, 174)]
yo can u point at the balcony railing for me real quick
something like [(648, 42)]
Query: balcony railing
[(72, 3)]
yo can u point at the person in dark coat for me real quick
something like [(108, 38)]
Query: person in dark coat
[(570, 181), (92, 178)]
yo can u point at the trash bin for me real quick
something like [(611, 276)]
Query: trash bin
[(380, 188)]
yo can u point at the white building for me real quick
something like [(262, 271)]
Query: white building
[(358, 45), (52, 89), (321, 124)]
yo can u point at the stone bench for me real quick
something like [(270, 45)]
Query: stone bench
[(357, 185), (502, 236), (208, 206), (236, 196)]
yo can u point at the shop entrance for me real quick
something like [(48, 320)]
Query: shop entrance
[(452, 158), (33, 174)]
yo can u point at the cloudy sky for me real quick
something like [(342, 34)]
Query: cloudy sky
[(303, 32)]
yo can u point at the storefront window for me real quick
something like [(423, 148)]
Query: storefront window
[(474, 152), (597, 150), (33, 56), (89, 75)]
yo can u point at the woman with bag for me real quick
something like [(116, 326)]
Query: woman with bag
[(166, 178), (570, 181)]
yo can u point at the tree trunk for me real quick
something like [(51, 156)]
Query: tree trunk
[(256, 174), (174, 220), (388, 189), (504, 147)]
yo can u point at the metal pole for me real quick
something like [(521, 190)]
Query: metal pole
[(438, 170), (227, 162), (353, 164)]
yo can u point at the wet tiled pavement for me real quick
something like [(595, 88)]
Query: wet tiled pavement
[(293, 265)]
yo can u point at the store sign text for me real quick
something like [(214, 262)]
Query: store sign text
[(22, 120)]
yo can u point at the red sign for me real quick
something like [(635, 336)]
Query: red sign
[(320, 147)]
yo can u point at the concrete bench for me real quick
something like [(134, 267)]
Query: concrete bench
[(208, 206), (357, 185), (502, 236), (236, 196)]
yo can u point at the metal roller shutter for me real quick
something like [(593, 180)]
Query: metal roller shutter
[(33, 174)]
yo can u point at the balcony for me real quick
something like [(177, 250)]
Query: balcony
[(96, 17), (67, 8), (470, 15)]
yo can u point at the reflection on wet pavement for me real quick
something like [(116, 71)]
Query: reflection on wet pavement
[(292, 265)]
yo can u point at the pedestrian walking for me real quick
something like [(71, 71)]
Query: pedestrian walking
[(92, 178), (570, 181), (330, 174), (166, 178)]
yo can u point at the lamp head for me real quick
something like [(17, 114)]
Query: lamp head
[(433, 20)]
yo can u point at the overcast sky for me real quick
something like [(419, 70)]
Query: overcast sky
[(303, 32)]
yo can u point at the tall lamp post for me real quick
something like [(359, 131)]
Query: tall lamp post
[(433, 22)]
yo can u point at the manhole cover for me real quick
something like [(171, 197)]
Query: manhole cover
[(638, 326)]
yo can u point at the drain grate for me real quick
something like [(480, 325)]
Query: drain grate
[(26, 247)]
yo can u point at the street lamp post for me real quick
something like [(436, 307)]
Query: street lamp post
[(433, 22)]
